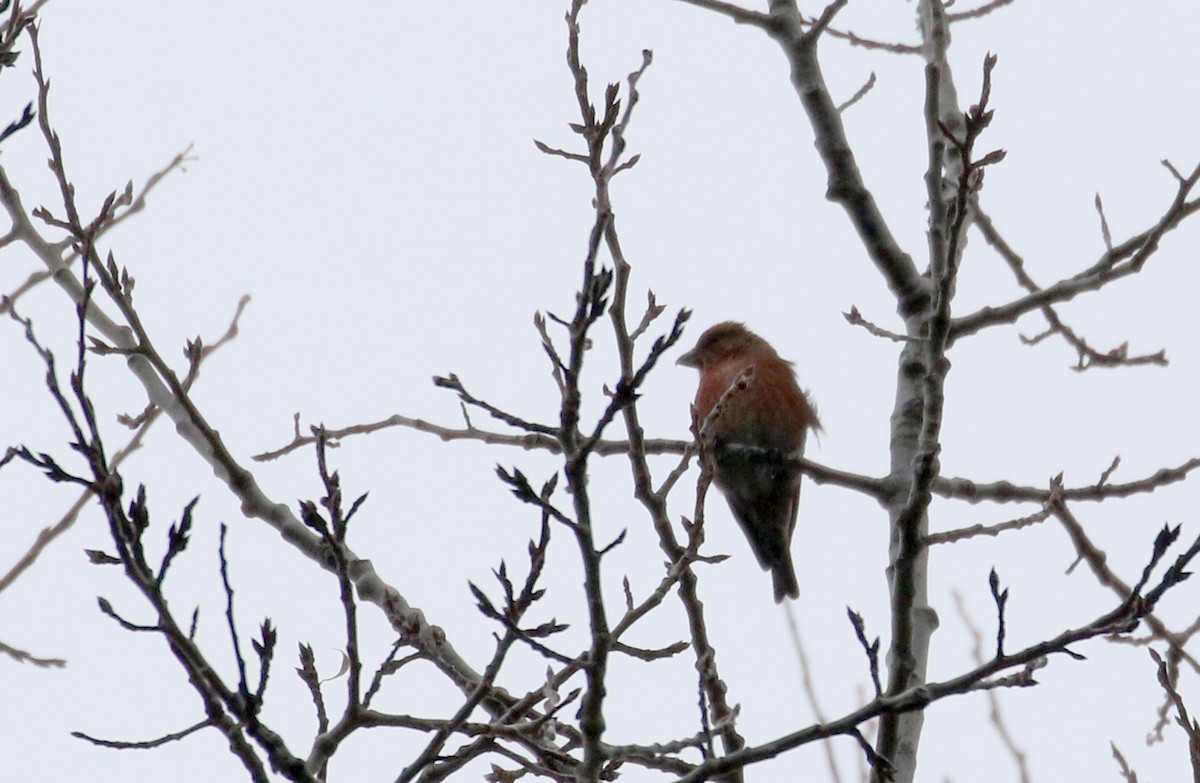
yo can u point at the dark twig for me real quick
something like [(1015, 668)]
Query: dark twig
[(1000, 597), (234, 637), (145, 744), (452, 383), (996, 716), (1186, 722), (870, 648), (1097, 562)]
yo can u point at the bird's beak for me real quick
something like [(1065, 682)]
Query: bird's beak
[(688, 360)]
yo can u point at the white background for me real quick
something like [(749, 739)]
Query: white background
[(365, 171)]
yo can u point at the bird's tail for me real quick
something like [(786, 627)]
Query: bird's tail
[(784, 577)]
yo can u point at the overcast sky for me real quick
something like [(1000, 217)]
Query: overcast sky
[(365, 171)]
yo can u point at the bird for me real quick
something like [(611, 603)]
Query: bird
[(748, 397)]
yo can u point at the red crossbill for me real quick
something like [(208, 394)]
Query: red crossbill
[(758, 406)]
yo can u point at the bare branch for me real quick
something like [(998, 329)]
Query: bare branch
[(1125, 259), (950, 536), (1097, 561), (1105, 233), (858, 95), (1007, 492), (736, 13), (846, 186), (20, 656), (990, 675), (855, 318), (976, 13), (1126, 772), (1088, 356)]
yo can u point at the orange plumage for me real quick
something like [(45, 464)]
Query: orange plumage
[(766, 411)]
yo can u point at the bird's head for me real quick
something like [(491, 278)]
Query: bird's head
[(724, 341)]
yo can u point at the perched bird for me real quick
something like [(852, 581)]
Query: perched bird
[(748, 397)]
